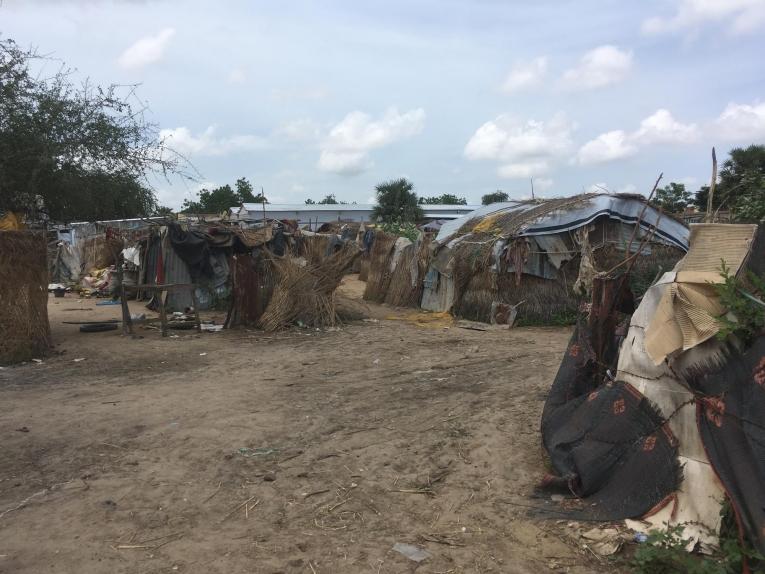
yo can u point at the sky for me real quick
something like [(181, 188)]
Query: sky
[(465, 97)]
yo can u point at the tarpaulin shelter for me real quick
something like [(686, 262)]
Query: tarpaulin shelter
[(666, 424), (544, 253)]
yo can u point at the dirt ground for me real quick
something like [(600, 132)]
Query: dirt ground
[(303, 451)]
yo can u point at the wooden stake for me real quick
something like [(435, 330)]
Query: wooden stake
[(710, 199), (640, 217)]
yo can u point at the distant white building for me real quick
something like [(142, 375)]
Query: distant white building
[(314, 213)]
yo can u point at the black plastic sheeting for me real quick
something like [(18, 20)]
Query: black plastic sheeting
[(731, 419), (608, 445), (193, 248)]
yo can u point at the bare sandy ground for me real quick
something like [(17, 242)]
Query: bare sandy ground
[(303, 451)]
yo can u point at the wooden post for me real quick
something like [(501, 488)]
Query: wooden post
[(127, 322), (196, 308), (162, 312), (710, 199)]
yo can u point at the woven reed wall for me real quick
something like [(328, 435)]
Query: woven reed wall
[(364, 264), (99, 252), (405, 290), (547, 301), (379, 274), (24, 327), (314, 248)]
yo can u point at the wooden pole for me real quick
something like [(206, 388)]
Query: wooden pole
[(263, 203), (642, 212), (127, 322), (710, 199)]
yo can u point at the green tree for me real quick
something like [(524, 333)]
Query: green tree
[(396, 202), (84, 150), (310, 201), (163, 211), (222, 198), (445, 199), (672, 198), (329, 200), (741, 185), (495, 197), (245, 193)]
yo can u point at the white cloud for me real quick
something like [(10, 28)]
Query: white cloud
[(661, 127), (523, 170), (346, 149), (525, 75), (308, 93), (606, 147), (742, 123), (522, 149), (300, 130), (146, 50), (237, 77), (207, 143), (739, 16), (658, 128), (600, 67)]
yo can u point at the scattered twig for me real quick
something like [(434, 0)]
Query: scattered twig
[(427, 491), (315, 492), (312, 568), (440, 539), (238, 506), (213, 494), (290, 457)]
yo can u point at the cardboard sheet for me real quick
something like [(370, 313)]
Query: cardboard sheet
[(687, 313)]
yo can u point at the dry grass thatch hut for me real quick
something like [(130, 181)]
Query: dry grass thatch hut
[(543, 254), (24, 327)]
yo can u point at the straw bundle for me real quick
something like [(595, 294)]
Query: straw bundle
[(314, 248), (24, 327), (379, 274), (306, 293)]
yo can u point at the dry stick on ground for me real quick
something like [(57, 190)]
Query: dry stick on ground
[(238, 506), (213, 494)]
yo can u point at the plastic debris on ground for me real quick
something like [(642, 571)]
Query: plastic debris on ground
[(414, 553), (603, 541)]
